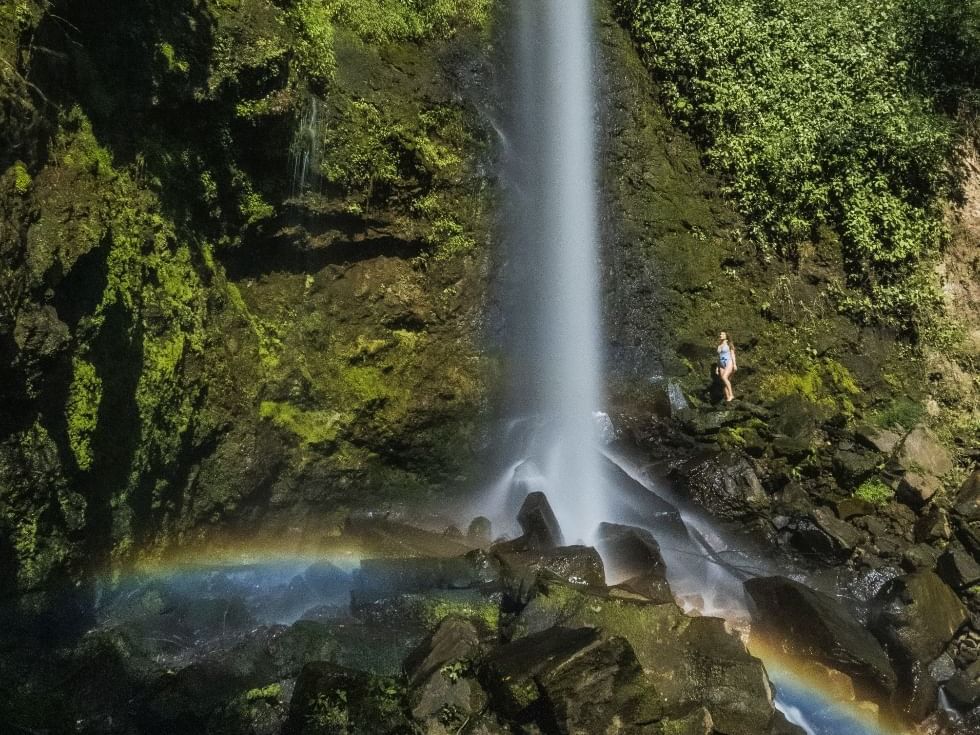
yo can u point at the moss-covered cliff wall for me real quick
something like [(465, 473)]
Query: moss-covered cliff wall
[(241, 247), (244, 251)]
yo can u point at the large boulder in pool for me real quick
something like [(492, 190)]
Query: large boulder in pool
[(916, 616), (815, 625), (690, 662)]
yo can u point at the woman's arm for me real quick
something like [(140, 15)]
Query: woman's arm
[(734, 363)]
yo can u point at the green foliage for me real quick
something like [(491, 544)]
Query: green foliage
[(807, 109), (900, 412), (273, 691), (84, 397), (874, 491), (329, 714), (402, 20)]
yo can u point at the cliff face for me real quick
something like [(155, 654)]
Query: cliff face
[(242, 252), (245, 253)]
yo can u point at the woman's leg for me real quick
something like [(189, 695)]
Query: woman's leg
[(725, 380)]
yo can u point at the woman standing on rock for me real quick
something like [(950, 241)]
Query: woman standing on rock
[(726, 364)]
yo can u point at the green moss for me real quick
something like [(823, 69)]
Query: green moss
[(273, 691), (875, 491), (486, 612), (173, 62), (84, 397), (826, 384), (311, 427), (21, 177)]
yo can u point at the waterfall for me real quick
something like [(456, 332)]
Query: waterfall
[(305, 151), (551, 268)]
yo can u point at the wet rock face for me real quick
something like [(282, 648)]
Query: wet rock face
[(815, 624), (917, 615), (690, 662), (571, 681), (441, 678), (725, 485)]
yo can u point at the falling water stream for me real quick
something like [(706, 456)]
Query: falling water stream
[(549, 282)]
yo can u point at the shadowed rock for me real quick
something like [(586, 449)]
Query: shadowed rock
[(816, 625), (689, 661), (330, 698), (968, 498), (541, 529), (725, 485), (630, 551), (440, 674), (521, 570), (917, 615), (958, 569), (571, 681)]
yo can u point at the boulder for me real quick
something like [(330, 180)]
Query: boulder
[(441, 675), (815, 625), (537, 519), (697, 722), (689, 661), (724, 484), (572, 680), (521, 570), (933, 526), (330, 698), (479, 531), (919, 557), (958, 569), (918, 693), (916, 616), (851, 468), (793, 448), (916, 489), (629, 551), (651, 587), (964, 688), (849, 508), (922, 452), (967, 504), (824, 535), (878, 440)]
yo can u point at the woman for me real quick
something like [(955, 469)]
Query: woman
[(726, 364)]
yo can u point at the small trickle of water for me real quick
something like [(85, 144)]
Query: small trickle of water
[(305, 150)]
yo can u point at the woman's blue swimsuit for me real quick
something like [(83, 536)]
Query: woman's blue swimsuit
[(724, 356)]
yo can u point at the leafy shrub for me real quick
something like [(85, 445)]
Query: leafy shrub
[(809, 111), (875, 492)]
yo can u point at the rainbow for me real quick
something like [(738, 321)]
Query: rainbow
[(811, 695)]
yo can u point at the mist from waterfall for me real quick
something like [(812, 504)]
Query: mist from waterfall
[(551, 269)]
